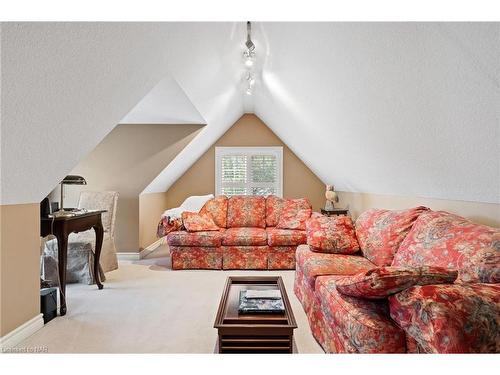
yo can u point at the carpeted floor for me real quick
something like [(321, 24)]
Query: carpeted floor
[(145, 307)]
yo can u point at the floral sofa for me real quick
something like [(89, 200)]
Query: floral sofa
[(248, 234), (459, 316)]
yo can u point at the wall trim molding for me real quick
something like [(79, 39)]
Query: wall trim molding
[(21, 333), (149, 249), (128, 256)]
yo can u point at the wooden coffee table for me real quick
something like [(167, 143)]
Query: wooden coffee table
[(253, 333)]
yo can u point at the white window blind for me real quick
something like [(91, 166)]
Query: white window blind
[(248, 170)]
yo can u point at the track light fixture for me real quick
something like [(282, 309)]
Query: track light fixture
[(249, 59), (249, 53), (249, 42)]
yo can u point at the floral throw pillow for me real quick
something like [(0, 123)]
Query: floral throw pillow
[(291, 218), (381, 282), (333, 234), (195, 222)]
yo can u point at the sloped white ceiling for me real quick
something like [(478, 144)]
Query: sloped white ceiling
[(166, 103), (390, 108), (66, 85), (404, 108), (210, 74)]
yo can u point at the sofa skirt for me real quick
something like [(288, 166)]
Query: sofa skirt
[(281, 258), (233, 257), (196, 257), (244, 257)]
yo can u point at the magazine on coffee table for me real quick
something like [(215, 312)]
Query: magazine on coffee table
[(260, 305)]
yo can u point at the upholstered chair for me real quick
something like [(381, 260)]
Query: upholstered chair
[(81, 246)]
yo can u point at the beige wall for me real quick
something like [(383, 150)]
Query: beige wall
[(127, 160), (249, 130), (483, 213), (19, 265), (151, 206)]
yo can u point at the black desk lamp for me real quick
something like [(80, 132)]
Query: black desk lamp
[(68, 180)]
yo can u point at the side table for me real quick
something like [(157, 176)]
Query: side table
[(335, 212)]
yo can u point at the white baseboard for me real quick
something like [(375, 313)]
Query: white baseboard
[(21, 333), (128, 256), (149, 249)]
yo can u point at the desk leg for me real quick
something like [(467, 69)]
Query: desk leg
[(62, 255), (99, 233)]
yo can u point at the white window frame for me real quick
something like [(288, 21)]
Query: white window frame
[(223, 151)]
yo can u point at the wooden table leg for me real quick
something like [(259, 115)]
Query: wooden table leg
[(62, 255), (99, 234)]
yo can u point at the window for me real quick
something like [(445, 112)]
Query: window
[(248, 171)]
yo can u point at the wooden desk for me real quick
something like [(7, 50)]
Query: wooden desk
[(61, 227)]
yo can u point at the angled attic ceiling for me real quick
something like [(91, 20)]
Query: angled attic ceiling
[(64, 87), (408, 109), (166, 103), (390, 108), (69, 84)]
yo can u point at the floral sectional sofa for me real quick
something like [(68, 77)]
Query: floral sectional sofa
[(248, 234), (372, 297)]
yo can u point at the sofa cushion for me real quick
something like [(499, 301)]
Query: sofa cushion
[(314, 264), (457, 318), (381, 282), (246, 211), (195, 222), (380, 232), (244, 237), (275, 205), (244, 257), (442, 239), (285, 237), (294, 219), (217, 209), (183, 238), (364, 324), (333, 234)]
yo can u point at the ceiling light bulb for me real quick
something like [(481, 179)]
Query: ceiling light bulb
[(249, 58)]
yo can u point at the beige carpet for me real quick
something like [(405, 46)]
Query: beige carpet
[(145, 307)]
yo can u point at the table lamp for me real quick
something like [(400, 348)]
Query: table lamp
[(68, 180), (331, 197)]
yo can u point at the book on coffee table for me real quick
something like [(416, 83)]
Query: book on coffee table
[(263, 294), (260, 305)]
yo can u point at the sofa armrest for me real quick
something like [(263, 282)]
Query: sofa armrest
[(456, 318)]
